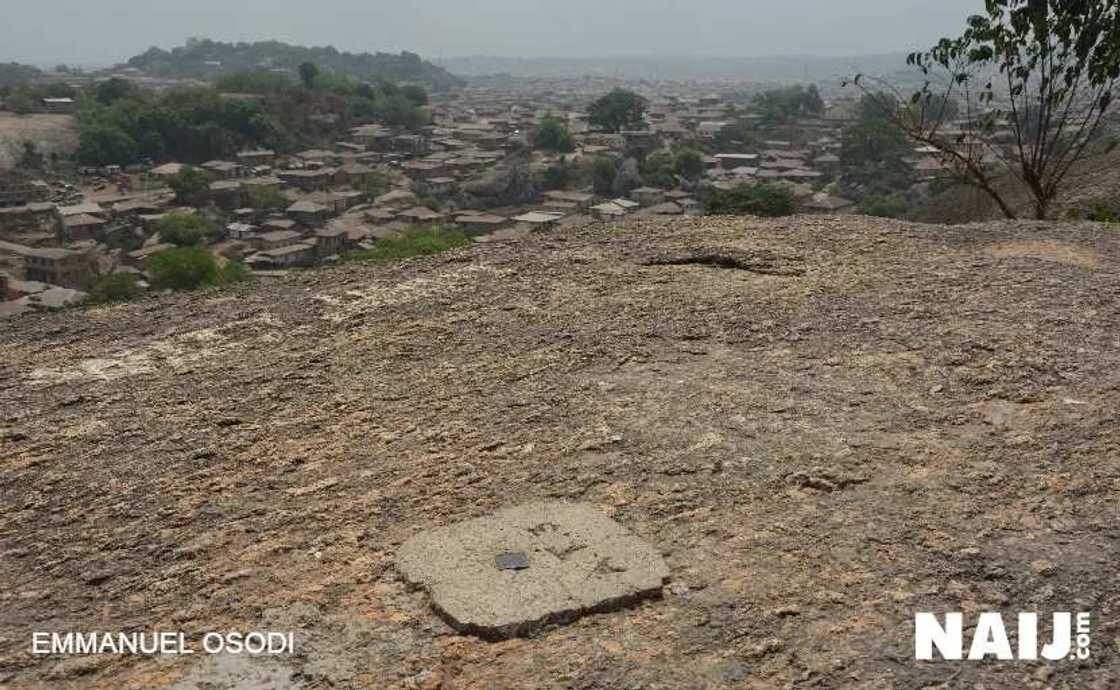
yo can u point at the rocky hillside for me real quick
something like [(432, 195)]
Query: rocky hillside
[(824, 424)]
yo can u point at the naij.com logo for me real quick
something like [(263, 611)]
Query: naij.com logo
[(1070, 638)]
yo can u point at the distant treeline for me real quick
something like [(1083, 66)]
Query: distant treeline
[(203, 58), (120, 123), (14, 74)]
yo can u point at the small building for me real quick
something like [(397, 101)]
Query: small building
[(420, 215), (62, 267), (257, 157), (668, 208), (240, 231), (308, 213), (226, 170), (581, 200), (308, 180), (81, 227), (481, 222), (648, 196), (287, 256), (539, 219), (227, 194), (608, 211), (330, 241), (167, 170), (729, 161), (355, 174), (274, 240), (441, 186), (396, 199), (59, 105)]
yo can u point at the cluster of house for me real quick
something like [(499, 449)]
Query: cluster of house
[(376, 181)]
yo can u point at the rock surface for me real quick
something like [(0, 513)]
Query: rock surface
[(513, 572), (854, 421)]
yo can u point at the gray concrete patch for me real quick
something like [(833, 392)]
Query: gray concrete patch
[(579, 561), (239, 672)]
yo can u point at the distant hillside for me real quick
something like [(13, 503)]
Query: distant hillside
[(207, 59), (777, 68)]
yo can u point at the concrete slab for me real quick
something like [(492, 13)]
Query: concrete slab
[(579, 562)]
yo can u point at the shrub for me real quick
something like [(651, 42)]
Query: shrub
[(752, 200), (553, 135), (185, 268), (1101, 212), (603, 171), (416, 241), (885, 206), (186, 229), (264, 198), (190, 185), (689, 164), (116, 287)]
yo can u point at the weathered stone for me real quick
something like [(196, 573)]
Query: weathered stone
[(579, 561)]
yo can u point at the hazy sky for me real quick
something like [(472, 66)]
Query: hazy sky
[(106, 31)]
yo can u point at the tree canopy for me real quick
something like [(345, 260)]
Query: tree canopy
[(190, 185), (873, 151), (186, 229), (202, 58), (1043, 70), (124, 124), (190, 268), (778, 106), (553, 135), (618, 110), (753, 200)]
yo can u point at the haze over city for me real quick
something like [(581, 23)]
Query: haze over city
[(109, 31)]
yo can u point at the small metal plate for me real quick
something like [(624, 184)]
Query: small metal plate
[(511, 561)]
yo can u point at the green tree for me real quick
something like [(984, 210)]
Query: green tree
[(885, 206), (618, 110), (190, 185), (308, 73), (185, 268), (415, 94), (398, 111), (553, 135), (190, 268), (752, 200), (20, 102), (689, 164), (186, 229), (557, 176), (778, 106), (264, 198), (603, 171), (737, 136), (658, 170), (115, 287), (873, 152), (106, 144), (1056, 66), (116, 89)]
